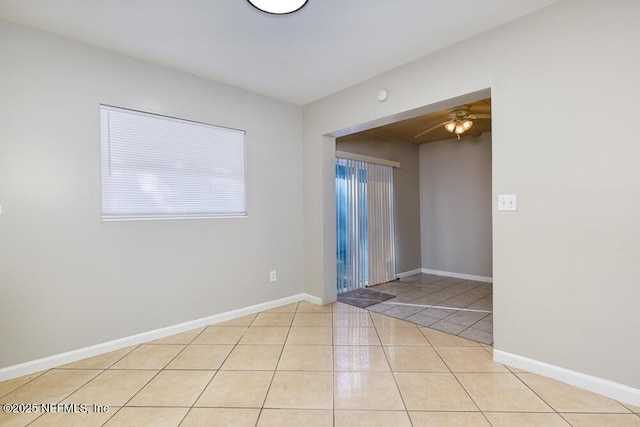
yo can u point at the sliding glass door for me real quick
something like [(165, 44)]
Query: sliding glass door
[(364, 224)]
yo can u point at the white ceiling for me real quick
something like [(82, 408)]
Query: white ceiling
[(325, 47)]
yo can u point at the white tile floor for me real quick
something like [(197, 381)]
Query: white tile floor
[(306, 365)]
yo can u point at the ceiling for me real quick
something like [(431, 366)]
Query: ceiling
[(406, 130), (325, 47)]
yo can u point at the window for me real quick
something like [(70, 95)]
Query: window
[(156, 167)]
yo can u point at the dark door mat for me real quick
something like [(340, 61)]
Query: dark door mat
[(363, 298)]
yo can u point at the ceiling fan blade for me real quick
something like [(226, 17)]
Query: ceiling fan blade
[(481, 116), (430, 129)]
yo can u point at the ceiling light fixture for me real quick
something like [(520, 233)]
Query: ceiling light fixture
[(459, 121), (458, 125), (278, 7)]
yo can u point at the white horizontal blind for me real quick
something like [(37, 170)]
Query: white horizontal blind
[(156, 167)]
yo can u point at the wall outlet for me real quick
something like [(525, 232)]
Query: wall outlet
[(507, 202), (273, 276)]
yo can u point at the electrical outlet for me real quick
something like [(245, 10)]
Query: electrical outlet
[(507, 202), (273, 276)]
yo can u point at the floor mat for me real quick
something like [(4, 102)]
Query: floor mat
[(363, 297)]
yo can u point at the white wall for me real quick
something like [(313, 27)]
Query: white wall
[(565, 264), (68, 280), (455, 205), (405, 191)]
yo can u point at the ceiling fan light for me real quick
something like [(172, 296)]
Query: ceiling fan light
[(450, 126), (278, 7), (466, 124), (459, 128)]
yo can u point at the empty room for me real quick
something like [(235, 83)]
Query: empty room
[(169, 174)]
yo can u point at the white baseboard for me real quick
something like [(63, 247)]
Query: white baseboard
[(312, 299), (94, 350), (457, 275), (409, 273), (617, 391)]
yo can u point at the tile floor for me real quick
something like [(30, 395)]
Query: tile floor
[(303, 364), (475, 322)]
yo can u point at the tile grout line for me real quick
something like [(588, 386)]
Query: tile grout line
[(71, 393), (172, 359), (458, 381), (540, 397), (333, 367), (439, 307), (227, 357), (275, 369), (65, 369), (395, 380), (108, 368), (216, 370), (77, 389), (22, 385), (149, 381), (208, 382)]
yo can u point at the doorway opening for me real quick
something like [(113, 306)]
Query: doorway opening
[(443, 216)]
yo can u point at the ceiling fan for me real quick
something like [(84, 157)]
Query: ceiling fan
[(459, 121)]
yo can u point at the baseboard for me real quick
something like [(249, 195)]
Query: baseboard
[(409, 273), (617, 391), (457, 275), (94, 350), (313, 300)]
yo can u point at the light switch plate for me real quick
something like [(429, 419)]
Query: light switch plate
[(507, 202)]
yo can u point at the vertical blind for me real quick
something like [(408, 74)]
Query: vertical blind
[(382, 264), (351, 225), (157, 167), (364, 224)]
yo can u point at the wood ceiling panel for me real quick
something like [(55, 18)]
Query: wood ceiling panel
[(406, 130)]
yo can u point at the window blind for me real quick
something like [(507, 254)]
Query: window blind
[(365, 233), (156, 167)]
